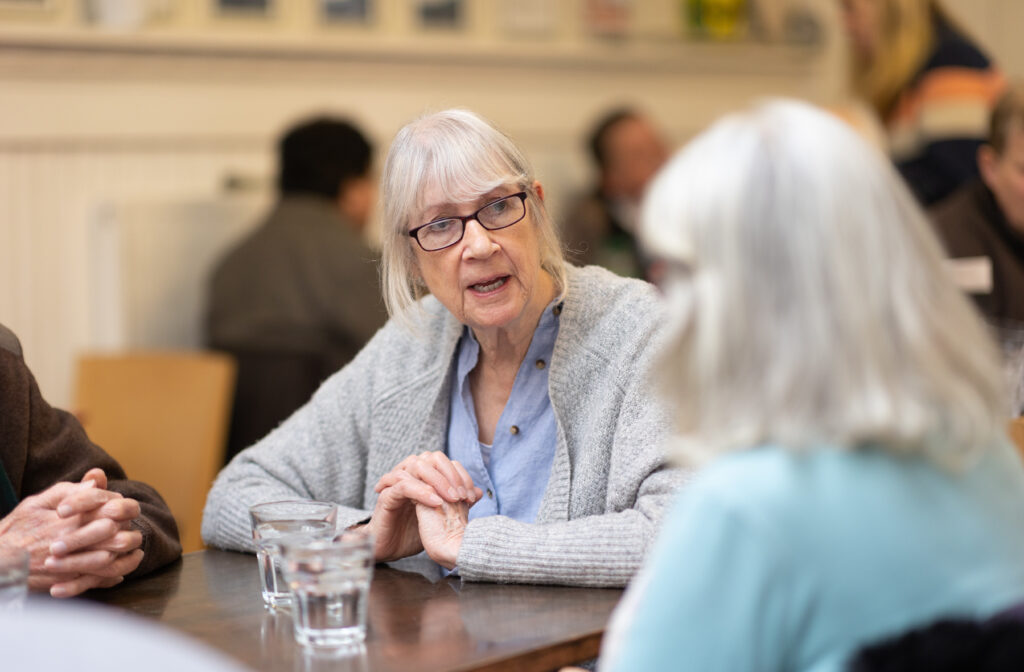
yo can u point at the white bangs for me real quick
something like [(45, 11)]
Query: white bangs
[(465, 178)]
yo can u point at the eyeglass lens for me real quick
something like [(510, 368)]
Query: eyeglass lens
[(497, 215)]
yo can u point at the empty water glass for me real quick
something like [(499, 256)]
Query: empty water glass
[(330, 584), (274, 521), (13, 577)]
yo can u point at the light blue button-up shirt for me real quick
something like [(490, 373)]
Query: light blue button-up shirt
[(513, 472)]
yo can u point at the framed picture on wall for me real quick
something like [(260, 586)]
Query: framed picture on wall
[(345, 11), (440, 13), (607, 18), (244, 7), (31, 11), (534, 18)]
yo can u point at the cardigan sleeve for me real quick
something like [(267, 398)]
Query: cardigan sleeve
[(601, 551), (319, 453), (42, 445)]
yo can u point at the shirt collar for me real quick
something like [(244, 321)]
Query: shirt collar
[(546, 331)]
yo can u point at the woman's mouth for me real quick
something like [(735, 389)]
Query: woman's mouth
[(490, 285)]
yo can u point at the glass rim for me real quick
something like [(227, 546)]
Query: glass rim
[(345, 539), (311, 503)]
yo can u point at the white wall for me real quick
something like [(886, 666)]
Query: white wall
[(997, 25)]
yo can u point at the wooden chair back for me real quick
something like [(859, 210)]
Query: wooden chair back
[(164, 417)]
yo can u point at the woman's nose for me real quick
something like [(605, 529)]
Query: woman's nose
[(477, 239)]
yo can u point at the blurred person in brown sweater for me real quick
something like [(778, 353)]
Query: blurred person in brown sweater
[(67, 502)]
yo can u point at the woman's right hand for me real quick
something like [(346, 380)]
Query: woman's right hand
[(428, 479)]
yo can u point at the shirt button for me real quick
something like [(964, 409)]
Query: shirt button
[(541, 364), (513, 429), (490, 495)]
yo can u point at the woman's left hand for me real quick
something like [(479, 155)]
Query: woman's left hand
[(441, 530)]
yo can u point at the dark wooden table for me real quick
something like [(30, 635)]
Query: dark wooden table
[(415, 623)]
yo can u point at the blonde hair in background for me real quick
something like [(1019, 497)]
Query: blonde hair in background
[(466, 157), (905, 39), (809, 298)]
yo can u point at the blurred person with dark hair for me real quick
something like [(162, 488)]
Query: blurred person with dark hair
[(929, 84), (299, 297), (982, 224), (627, 151), (67, 502), (845, 403)]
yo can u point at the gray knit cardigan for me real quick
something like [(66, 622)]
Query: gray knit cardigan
[(608, 484)]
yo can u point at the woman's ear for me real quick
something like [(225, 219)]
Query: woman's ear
[(538, 189)]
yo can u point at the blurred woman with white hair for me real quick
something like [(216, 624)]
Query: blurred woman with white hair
[(501, 421), (861, 482)]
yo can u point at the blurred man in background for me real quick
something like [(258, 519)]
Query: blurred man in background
[(299, 297), (982, 224), (627, 151)]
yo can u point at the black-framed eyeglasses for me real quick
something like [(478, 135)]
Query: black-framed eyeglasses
[(445, 232)]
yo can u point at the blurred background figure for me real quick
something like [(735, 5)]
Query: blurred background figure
[(848, 397), (627, 151), (982, 224), (982, 227), (299, 297), (929, 84)]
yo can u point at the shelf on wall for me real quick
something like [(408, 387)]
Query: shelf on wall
[(740, 58)]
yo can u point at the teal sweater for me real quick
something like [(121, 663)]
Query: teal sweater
[(773, 560)]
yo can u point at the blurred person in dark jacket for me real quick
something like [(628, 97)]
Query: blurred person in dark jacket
[(299, 297), (982, 224), (931, 86), (601, 227), (67, 502)]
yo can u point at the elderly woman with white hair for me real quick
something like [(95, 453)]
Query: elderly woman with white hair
[(862, 483), (501, 420)]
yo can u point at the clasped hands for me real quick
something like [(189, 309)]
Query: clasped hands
[(423, 504), (78, 536)]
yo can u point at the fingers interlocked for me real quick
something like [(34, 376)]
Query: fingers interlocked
[(101, 547)]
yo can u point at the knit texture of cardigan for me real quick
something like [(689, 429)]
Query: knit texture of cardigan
[(608, 485)]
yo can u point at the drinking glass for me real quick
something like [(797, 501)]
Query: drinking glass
[(274, 521), (13, 577), (330, 585)]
